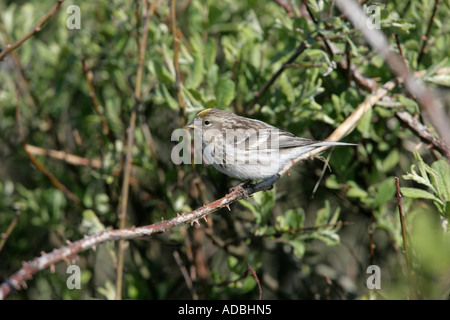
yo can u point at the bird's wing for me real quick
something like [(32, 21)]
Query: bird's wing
[(288, 140), (271, 138)]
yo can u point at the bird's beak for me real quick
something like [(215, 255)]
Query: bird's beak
[(191, 126)]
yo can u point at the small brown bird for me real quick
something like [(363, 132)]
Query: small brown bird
[(248, 149)]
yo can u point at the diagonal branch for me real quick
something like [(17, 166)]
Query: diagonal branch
[(258, 94), (371, 85), (422, 131), (432, 107), (37, 28), (33, 159), (427, 33)]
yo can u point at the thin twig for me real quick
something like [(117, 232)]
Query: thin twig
[(258, 94), (89, 79), (36, 163), (256, 279), (322, 173), (67, 157), (400, 50), (286, 5), (405, 241), (427, 33), (7, 233), (305, 3), (422, 132), (50, 176), (147, 12), (176, 49), (18, 67), (37, 28), (185, 274)]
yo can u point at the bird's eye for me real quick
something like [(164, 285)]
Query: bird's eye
[(207, 122)]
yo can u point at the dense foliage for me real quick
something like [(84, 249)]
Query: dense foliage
[(302, 242)]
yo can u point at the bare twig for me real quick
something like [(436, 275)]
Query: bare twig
[(18, 67), (147, 12), (322, 173), (405, 241), (286, 5), (256, 279), (176, 49), (185, 274), (7, 233), (36, 163), (423, 132), (400, 50), (37, 28), (432, 107), (302, 47), (67, 157), (89, 79), (50, 176), (427, 33)]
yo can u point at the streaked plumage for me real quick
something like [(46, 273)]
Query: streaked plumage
[(245, 148)]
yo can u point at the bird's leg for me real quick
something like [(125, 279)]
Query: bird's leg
[(241, 187), (267, 183)]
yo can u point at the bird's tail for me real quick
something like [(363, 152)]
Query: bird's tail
[(333, 143)]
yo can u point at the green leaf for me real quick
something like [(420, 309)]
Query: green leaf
[(253, 209), (442, 179), (423, 177), (390, 161), (168, 97), (210, 52), (287, 88), (418, 194), (298, 246), (196, 77), (224, 92), (328, 236), (91, 222), (323, 214), (332, 182), (386, 192), (440, 79), (292, 219), (355, 191)]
